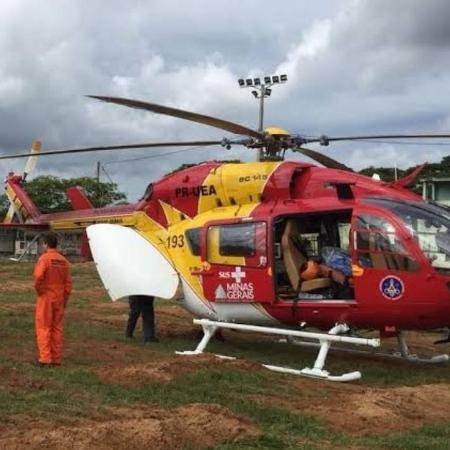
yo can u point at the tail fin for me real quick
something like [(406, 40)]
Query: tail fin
[(78, 198), (409, 179)]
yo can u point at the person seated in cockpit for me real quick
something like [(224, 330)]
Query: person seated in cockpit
[(335, 264), (312, 269)]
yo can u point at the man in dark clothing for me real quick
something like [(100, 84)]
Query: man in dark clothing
[(141, 305)]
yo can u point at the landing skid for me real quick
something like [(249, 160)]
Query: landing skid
[(325, 342), (314, 373), (402, 353)]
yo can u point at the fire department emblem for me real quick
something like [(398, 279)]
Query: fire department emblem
[(392, 287)]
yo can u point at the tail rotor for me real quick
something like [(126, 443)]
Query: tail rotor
[(36, 146)]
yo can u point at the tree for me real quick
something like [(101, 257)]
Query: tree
[(385, 173), (446, 162), (99, 193), (48, 192), (4, 205), (441, 170)]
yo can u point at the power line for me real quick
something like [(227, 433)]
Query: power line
[(369, 141), (107, 174), (154, 156)]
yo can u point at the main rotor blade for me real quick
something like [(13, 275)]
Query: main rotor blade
[(322, 159), (324, 140), (182, 114), (117, 147)]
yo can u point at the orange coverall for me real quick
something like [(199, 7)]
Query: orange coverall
[(53, 284)]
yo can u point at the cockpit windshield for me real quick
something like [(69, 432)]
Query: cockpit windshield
[(428, 223)]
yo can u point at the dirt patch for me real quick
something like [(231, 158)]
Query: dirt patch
[(85, 353), (16, 286), (170, 321), (361, 411), (399, 409), (12, 379), (193, 426), (19, 307), (108, 305), (19, 353), (90, 315), (163, 371), (174, 321), (94, 294)]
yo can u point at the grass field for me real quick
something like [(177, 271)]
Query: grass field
[(115, 393)]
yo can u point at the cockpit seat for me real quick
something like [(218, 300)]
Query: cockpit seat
[(294, 259), (312, 285)]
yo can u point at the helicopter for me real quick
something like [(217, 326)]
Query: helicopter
[(241, 239)]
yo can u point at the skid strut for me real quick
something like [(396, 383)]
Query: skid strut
[(402, 353), (325, 341)]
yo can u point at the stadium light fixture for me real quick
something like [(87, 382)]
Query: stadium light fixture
[(261, 91)]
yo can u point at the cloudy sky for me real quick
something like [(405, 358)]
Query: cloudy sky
[(354, 66)]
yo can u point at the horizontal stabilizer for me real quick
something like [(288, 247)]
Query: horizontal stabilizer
[(26, 226), (129, 264)]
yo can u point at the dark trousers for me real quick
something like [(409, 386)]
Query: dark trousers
[(141, 305)]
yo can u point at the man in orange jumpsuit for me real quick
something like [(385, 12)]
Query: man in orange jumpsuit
[(53, 284)]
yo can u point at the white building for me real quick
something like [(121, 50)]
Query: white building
[(14, 243), (436, 189)]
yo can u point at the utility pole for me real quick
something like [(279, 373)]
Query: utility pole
[(261, 90), (98, 171)]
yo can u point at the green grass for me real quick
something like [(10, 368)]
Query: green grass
[(75, 390), (435, 437), (375, 371)]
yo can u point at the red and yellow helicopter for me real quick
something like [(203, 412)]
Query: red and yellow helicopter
[(272, 246)]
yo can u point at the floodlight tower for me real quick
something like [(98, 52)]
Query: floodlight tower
[(261, 90)]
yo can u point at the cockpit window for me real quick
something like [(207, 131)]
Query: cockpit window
[(376, 233), (374, 223), (379, 247), (193, 239), (428, 224), (148, 192)]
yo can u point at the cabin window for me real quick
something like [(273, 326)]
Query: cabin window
[(193, 240), (237, 244), (237, 240), (379, 247)]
